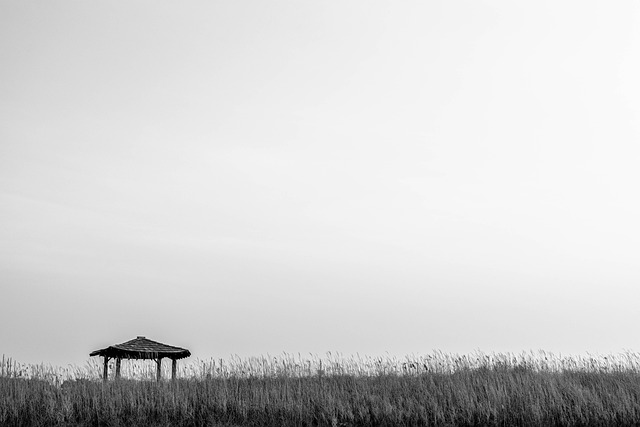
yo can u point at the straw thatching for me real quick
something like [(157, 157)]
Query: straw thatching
[(142, 348)]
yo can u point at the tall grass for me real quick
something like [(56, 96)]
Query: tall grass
[(436, 389)]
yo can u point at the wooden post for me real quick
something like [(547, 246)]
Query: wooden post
[(159, 370), (118, 368), (174, 365), (105, 370)]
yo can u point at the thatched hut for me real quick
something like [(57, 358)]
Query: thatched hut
[(141, 348)]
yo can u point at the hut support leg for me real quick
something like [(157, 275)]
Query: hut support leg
[(158, 369), (118, 368), (105, 370), (174, 365)]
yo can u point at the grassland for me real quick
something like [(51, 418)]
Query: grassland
[(437, 389)]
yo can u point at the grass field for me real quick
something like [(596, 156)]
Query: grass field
[(291, 390)]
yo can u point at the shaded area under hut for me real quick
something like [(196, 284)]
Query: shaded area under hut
[(141, 348)]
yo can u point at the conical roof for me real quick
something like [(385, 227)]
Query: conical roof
[(142, 348)]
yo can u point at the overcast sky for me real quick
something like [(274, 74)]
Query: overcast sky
[(251, 177)]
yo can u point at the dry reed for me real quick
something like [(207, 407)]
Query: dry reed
[(534, 388)]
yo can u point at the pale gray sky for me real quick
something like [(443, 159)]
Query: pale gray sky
[(255, 177)]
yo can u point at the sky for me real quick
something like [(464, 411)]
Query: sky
[(375, 177)]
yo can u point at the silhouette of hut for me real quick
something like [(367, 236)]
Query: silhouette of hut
[(141, 348)]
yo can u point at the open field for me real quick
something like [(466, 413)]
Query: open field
[(436, 389)]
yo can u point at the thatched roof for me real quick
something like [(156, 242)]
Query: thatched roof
[(142, 348)]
